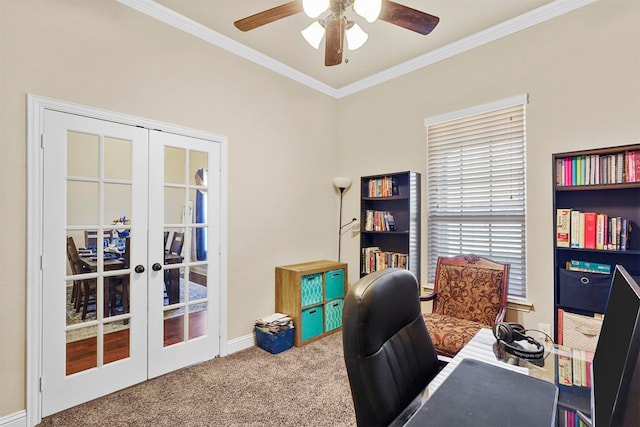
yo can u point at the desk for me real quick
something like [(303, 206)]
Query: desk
[(483, 348)]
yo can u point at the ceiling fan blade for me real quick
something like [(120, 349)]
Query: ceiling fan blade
[(409, 18), (334, 41), (268, 16)]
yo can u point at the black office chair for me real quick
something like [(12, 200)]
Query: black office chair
[(388, 352)]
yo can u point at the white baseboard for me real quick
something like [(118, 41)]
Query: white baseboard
[(240, 343), (17, 419)]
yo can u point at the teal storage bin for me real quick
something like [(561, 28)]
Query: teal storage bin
[(312, 323), (333, 314), (334, 284), (311, 289)]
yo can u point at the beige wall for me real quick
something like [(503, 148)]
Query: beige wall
[(581, 72)]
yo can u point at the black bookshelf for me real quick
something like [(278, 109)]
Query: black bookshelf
[(390, 222), (615, 195)]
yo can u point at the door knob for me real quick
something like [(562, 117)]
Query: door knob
[(156, 267), (139, 268)]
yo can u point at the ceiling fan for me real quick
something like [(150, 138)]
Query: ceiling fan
[(336, 26)]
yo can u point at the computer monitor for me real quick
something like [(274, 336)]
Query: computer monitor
[(615, 394)]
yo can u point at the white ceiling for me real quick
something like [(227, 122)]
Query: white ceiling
[(389, 52)]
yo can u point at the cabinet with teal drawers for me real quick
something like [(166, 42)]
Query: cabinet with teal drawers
[(312, 294)]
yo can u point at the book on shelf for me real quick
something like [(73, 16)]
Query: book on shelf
[(633, 166), (590, 230), (390, 221), (563, 228), (600, 231), (589, 362), (576, 366), (589, 267), (565, 366), (595, 169), (576, 229)]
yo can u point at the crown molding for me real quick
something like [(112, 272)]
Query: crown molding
[(526, 20)]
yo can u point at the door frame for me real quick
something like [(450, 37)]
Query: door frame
[(36, 106)]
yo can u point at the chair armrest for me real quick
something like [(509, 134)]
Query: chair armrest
[(428, 297)]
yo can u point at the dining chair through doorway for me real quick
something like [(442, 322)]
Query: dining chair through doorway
[(84, 290)]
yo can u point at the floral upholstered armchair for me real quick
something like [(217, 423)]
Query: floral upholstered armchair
[(470, 293)]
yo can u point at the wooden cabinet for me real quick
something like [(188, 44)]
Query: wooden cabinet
[(312, 294), (390, 222), (601, 184)]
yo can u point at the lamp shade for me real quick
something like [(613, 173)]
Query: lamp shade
[(342, 181), (368, 9), (356, 37), (313, 34), (313, 8)]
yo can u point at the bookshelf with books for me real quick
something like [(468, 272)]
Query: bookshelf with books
[(596, 201), (390, 230)]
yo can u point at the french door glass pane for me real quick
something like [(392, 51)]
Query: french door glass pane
[(82, 154), (97, 285), (117, 202), (82, 202), (174, 166), (174, 205), (185, 244), (117, 159)]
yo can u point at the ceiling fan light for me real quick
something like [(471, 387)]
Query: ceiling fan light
[(368, 9), (313, 34), (356, 37), (313, 8)]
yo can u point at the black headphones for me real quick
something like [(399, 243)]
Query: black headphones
[(508, 332)]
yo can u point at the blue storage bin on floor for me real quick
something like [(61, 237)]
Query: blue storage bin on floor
[(274, 343)]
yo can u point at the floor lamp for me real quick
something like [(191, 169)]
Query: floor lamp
[(342, 183)]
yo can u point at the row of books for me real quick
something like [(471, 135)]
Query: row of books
[(574, 366), (590, 230), (379, 221), (597, 169), (373, 259), (569, 418), (382, 187)]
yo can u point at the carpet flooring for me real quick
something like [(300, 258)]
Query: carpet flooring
[(303, 386)]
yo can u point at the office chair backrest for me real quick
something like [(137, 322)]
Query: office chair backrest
[(389, 355)]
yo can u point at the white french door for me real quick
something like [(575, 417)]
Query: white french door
[(130, 256), (186, 318)]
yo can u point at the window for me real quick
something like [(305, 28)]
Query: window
[(476, 186)]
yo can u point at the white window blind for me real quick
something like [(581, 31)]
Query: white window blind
[(476, 188)]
